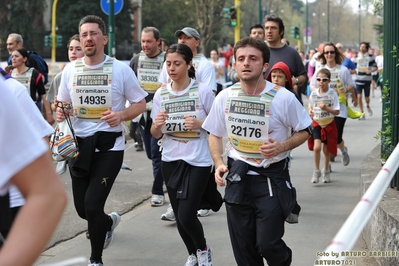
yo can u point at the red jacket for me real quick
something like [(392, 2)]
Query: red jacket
[(227, 56), (329, 134)]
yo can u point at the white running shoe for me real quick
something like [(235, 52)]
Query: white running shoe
[(61, 167), (157, 200), (116, 218), (204, 257), (169, 215), (325, 174), (191, 261), (203, 212), (92, 263), (316, 176)]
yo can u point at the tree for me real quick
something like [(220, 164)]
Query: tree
[(23, 17), (206, 18), (210, 20), (68, 17), (176, 15)]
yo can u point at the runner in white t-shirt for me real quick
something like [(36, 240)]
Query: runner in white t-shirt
[(98, 87), (256, 116), (24, 162), (204, 73), (178, 112)]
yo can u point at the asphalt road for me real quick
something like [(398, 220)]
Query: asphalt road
[(142, 239)]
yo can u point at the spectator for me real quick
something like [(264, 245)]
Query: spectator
[(226, 54)]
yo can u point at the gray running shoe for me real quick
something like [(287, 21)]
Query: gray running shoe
[(157, 200), (345, 157), (370, 111), (61, 167), (325, 174), (116, 218), (204, 257), (169, 215), (203, 212), (191, 261), (316, 176), (93, 263)]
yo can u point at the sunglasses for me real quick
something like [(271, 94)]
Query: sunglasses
[(322, 79), (329, 52)]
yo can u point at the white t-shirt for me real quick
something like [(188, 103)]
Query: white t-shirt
[(379, 60), (125, 86), (218, 65), (34, 118), (324, 118), (346, 80), (20, 143), (285, 112), (204, 73), (194, 152)]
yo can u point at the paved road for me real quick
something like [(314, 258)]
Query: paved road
[(142, 239)]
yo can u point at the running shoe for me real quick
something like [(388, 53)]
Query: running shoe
[(157, 200), (316, 176), (169, 215), (191, 261), (93, 263), (203, 212), (370, 111), (345, 157), (140, 148), (204, 257), (325, 174), (116, 218), (61, 167)]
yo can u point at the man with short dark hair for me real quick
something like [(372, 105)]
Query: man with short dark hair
[(259, 196), (257, 31), (147, 65), (280, 52), (98, 87)]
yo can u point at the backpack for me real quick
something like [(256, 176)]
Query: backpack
[(42, 64), (37, 62)]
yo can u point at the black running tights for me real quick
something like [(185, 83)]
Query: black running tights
[(91, 192), (188, 224)]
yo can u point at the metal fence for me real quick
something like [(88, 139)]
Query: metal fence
[(391, 79)]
